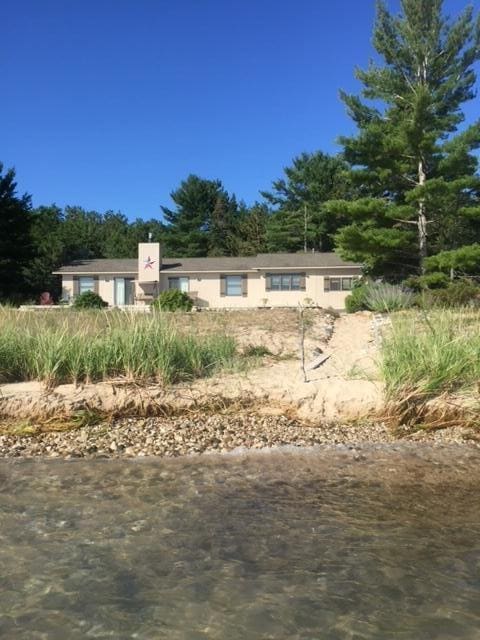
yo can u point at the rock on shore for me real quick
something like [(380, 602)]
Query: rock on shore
[(170, 437)]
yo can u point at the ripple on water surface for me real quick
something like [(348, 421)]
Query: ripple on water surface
[(292, 545)]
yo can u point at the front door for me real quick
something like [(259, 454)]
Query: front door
[(124, 291)]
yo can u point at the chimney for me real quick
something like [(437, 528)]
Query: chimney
[(149, 262)]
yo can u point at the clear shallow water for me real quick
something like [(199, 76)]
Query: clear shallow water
[(319, 545)]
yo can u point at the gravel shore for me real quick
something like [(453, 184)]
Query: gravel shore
[(196, 434)]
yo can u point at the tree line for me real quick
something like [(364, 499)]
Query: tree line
[(402, 197)]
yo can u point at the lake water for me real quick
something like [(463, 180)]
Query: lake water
[(327, 544)]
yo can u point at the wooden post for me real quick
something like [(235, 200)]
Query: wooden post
[(301, 331)]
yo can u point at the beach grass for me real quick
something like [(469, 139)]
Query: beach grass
[(70, 346), (431, 353)]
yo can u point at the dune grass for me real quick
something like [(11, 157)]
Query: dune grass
[(87, 346), (432, 353)]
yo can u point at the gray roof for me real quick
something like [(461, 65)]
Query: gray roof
[(221, 264)]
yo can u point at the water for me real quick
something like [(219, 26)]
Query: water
[(323, 545)]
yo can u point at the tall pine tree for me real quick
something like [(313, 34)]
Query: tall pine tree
[(202, 222), (415, 171), (300, 219), (15, 241)]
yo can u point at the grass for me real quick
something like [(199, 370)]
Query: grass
[(434, 353), (88, 346)]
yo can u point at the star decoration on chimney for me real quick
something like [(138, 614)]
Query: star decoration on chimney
[(148, 262)]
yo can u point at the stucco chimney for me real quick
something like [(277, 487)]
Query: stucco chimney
[(149, 262)]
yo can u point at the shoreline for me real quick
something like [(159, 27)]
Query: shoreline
[(199, 434)]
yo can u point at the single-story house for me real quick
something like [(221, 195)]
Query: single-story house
[(264, 280)]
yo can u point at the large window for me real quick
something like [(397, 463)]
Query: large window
[(86, 283), (339, 284), (285, 282), (233, 285), (180, 283)]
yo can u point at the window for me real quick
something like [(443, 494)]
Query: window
[(285, 282), (233, 285), (180, 283), (339, 284), (86, 283), (335, 284)]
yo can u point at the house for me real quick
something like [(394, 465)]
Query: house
[(272, 280)]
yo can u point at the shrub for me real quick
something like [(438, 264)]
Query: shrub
[(378, 296), (436, 280), (383, 297), (173, 300), (356, 300), (89, 300), (459, 293)]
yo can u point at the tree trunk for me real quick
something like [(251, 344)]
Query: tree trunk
[(422, 219)]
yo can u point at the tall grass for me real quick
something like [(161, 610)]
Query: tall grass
[(430, 354), (76, 346)]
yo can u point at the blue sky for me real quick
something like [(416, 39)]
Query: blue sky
[(109, 104)]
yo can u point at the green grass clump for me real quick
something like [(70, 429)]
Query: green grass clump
[(380, 297), (86, 346), (432, 353)]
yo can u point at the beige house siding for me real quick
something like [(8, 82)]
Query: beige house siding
[(208, 278), (206, 292), (205, 289)]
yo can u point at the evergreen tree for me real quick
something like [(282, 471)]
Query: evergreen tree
[(222, 227), (300, 219), (139, 230), (416, 173), (251, 237), (48, 251), (82, 234), (15, 243), (117, 240), (203, 220)]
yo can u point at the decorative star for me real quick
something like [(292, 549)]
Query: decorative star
[(148, 263)]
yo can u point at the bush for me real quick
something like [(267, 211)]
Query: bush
[(435, 280), (460, 293), (356, 300), (384, 297), (380, 297), (89, 300), (173, 300)]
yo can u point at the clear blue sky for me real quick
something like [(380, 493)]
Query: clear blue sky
[(109, 104)]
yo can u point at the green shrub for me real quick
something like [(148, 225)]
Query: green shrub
[(356, 300), (436, 280), (383, 297), (89, 300), (460, 293), (380, 297), (173, 300)]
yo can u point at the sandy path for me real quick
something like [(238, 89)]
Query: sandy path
[(345, 386)]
